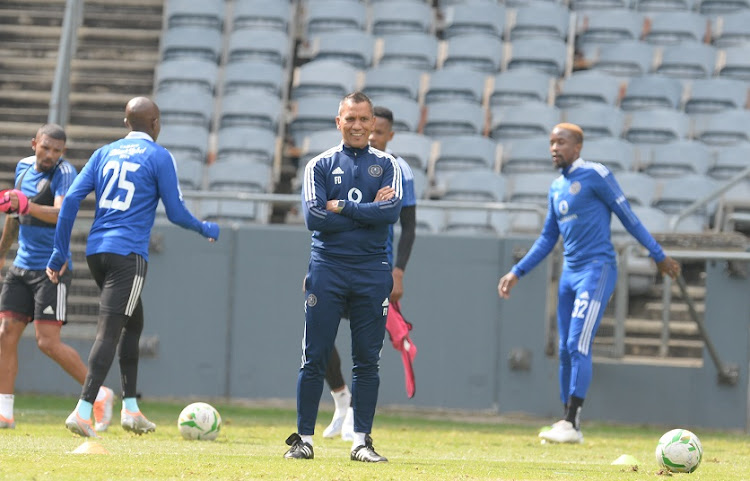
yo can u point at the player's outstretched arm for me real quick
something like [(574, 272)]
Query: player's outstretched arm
[(506, 284)]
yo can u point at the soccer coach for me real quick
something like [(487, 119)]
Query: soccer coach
[(351, 194)]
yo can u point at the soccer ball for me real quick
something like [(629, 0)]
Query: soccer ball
[(199, 421), (679, 451)]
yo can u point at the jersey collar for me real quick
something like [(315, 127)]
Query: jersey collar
[(576, 164), (139, 135), (354, 151)]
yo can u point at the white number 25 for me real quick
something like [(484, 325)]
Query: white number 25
[(119, 175)]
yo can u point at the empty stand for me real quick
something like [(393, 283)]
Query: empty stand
[(523, 120), (520, 85), (596, 120), (456, 83)]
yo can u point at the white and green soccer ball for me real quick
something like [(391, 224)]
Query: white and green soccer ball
[(199, 421), (679, 451)]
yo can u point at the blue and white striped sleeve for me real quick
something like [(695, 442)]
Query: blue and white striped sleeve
[(314, 199), (385, 211)]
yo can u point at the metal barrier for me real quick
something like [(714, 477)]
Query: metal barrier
[(59, 104)]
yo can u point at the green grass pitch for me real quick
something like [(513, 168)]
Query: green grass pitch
[(420, 446)]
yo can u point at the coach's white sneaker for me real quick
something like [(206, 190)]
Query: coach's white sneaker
[(562, 432)]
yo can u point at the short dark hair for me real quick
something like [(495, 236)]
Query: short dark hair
[(356, 98), (384, 113), (52, 130)]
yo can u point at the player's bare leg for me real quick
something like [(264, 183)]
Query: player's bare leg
[(10, 334), (49, 342)]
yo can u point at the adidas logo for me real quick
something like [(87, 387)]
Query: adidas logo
[(585, 295), (338, 171), (48, 310)]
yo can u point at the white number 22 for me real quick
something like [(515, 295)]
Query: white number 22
[(119, 175)]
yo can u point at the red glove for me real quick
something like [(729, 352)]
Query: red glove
[(23, 202), (5, 201)]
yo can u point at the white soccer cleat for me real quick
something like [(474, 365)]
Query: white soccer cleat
[(103, 410), (347, 428), (136, 422), (562, 432), (6, 423), (80, 426)]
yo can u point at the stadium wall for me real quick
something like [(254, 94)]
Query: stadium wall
[(225, 320)]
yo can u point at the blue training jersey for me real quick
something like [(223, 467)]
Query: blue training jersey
[(35, 240), (129, 176), (409, 200), (580, 205), (359, 233)]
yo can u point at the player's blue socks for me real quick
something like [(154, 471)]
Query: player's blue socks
[(130, 404), (84, 409)]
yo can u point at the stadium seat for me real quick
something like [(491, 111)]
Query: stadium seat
[(526, 155), (656, 126), (454, 118), (253, 109), (513, 87), (523, 120), (261, 14), (732, 30), (652, 91), (324, 77), (393, 80), (596, 120), (639, 188), (587, 5), (456, 83), (469, 18), (476, 185), (353, 47), (615, 153), (310, 114), (728, 161), (670, 28), (234, 211), (463, 153), (546, 54), (251, 144), (185, 141), (204, 13), (736, 62), (688, 60), (406, 16), (675, 6), (531, 187), (191, 42), (589, 87), (411, 50), (724, 128), (716, 94), (190, 174), (477, 51), (407, 114), (625, 59), (267, 45), (420, 183), (541, 19), (519, 222), (414, 148), (430, 220), (674, 195), (334, 16), (721, 7), (237, 174), (469, 222), (186, 72), (675, 159), (254, 75), (175, 110), (607, 26)]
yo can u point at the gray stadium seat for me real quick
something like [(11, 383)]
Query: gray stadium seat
[(596, 120), (546, 54), (617, 154), (204, 13), (430, 220), (607, 26), (393, 80), (454, 118), (639, 188), (675, 159), (238, 174), (652, 91), (248, 143), (186, 72), (729, 161), (476, 185), (354, 47), (185, 141), (480, 17), (176, 109), (732, 30), (523, 120), (721, 7), (715, 95), (736, 62), (234, 211), (414, 148), (587, 87), (674, 195), (311, 114), (531, 187), (521, 85), (191, 42), (254, 75), (469, 222), (464, 152), (261, 14), (334, 16), (190, 174), (625, 59), (527, 155), (688, 60), (401, 17), (586, 5), (253, 109), (669, 28), (267, 45), (664, 5), (407, 113), (725, 128), (656, 126), (477, 51), (412, 50), (456, 83), (327, 77), (541, 19)]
